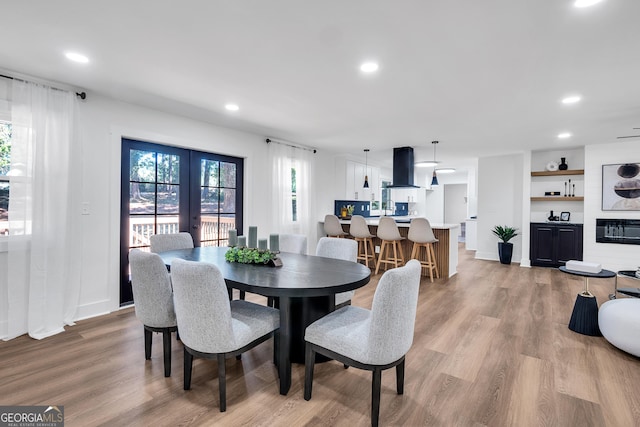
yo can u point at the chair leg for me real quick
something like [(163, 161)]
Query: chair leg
[(375, 396), (373, 252), (188, 365), (433, 257), (148, 338), (381, 255), (430, 262), (242, 294), (309, 362), (222, 382), (166, 345), (276, 347), (396, 247), (400, 377)]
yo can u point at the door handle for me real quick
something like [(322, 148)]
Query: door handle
[(195, 226)]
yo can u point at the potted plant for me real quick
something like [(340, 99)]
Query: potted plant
[(505, 249)]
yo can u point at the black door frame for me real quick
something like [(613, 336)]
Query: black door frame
[(189, 197)]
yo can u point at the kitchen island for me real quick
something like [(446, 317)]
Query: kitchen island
[(446, 248)]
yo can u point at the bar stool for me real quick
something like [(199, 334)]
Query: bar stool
[(390, 235), (421, 234), (360, 231), (332, 227)]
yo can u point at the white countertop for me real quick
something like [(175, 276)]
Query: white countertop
[(375, 221)]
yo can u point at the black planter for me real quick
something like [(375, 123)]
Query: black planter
[(505, 251)]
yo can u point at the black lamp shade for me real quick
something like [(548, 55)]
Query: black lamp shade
[(434, 180)]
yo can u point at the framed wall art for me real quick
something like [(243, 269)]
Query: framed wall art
[(621, 187)]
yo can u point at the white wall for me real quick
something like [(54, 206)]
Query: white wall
[(612, 256), (103, 123), (500, 202), (455, 204)]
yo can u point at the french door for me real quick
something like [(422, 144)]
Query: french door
[(167, 190)]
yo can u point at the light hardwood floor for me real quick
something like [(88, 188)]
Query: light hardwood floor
[(491, 348)]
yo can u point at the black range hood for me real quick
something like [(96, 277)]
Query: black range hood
[(403, 168)]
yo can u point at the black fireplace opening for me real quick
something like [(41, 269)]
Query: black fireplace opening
[(624, 231)]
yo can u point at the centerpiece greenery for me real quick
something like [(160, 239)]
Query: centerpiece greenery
[(249, 255)]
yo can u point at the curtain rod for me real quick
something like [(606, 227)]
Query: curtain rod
[(288, 144), (81, 95)]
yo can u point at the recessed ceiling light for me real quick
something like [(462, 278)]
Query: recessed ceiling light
[(232, 107), (76, 57), (564, 135), (571, 99), (369, 67), (585, 3)]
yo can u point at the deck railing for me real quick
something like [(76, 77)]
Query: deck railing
[(142, 228)]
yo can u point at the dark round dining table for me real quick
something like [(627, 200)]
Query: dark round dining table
[(305, 286)]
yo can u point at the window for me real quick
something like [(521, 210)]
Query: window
[(294, 207), (5, 164)]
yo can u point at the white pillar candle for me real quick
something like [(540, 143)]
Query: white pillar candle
[(253, 236), (274, 242), (233, 237), (262, 244)]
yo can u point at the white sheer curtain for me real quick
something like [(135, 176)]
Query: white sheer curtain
[(283, 158), (42, 292)]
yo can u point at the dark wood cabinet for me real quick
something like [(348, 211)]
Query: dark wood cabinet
[(553, 244)]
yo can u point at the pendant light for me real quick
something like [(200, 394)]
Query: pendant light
[(366, 164), (434, 178)]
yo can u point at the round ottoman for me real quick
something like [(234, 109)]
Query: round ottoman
[(619, 321)]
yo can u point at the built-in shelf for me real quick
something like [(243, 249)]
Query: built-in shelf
[(557, 199), (558, 172)]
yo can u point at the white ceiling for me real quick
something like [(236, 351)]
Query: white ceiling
[(482, 77)]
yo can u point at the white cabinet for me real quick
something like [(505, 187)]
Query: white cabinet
[(471, 235), (354, 181), (404, 195)]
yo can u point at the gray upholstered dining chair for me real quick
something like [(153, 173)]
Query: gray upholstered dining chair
[(332, 227), (293, 243), (153, 300), (211, 326), (375, 339), (345, 249), (170, 242)]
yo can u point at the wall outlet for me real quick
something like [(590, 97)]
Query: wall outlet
[(85, 208)]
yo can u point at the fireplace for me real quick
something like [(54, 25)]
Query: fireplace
[(624, 231)]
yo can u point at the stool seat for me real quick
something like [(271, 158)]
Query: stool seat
[(332, 227), (390, 236), (360, 232), (421, 234)]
